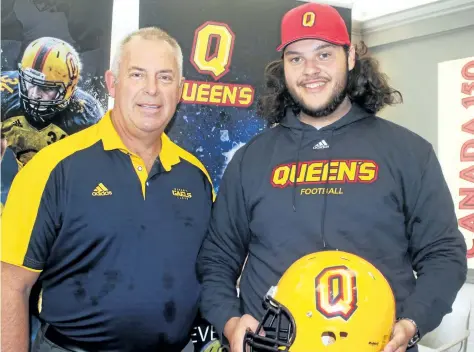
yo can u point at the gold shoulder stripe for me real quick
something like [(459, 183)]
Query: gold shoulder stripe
[(196, 162)]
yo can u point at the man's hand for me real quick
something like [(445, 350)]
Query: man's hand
[(235, 330), (403, 331)]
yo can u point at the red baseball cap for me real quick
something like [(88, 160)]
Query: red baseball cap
[(313, 21)]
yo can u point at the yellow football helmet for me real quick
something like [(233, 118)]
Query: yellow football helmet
[(329, 301), (49, 72)]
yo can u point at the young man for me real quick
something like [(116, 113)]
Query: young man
[(110, 221), (331, 175)]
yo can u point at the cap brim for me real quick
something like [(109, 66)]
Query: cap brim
[(336, 42)]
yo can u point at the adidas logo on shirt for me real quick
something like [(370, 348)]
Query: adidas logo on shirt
[(101, 190), (321, 145)]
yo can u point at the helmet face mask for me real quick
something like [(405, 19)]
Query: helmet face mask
[(48, 76), (278, 325), (30, 79), (328, 301)]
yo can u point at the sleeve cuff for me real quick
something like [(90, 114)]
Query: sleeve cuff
[(221, 317), (410, 312)]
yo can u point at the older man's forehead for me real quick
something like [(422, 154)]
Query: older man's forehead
[(138, 42), (160, 54)]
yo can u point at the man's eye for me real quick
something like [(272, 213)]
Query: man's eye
[(324, 56)]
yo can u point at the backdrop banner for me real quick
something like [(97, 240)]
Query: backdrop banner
[(456, 140)]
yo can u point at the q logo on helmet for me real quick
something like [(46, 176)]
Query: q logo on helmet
[(71, 66), (336, 292), (309, 18)]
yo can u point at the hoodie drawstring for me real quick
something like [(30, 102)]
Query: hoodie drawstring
[(323, 215), (296, 170), (293, 123), (325, 196)]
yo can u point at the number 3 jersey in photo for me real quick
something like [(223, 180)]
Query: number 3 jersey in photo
[(27, 135)]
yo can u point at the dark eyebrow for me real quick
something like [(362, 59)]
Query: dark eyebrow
[(319, 47)]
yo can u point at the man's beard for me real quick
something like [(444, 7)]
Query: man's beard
[(338, 96)]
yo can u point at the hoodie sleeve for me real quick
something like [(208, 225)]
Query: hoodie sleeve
[(224, 249), (437, 248)]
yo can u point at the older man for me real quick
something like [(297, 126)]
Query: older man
[(110, 221)]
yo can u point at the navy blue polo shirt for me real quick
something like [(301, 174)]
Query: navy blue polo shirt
[(115, 245)]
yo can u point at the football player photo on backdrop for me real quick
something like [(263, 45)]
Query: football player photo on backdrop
[(44, 96), (42, 101)]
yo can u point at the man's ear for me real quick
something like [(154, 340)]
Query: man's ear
[(110, 82), (180, 89), (351, 57)]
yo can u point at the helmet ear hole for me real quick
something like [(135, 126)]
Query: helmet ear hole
[(328, 338)]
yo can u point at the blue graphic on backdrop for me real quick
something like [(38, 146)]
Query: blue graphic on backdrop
[(214, 137)]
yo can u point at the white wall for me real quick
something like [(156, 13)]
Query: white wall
[(412, 67), (409, 46)]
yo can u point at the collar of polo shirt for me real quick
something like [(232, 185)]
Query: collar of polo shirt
[(169, 154)]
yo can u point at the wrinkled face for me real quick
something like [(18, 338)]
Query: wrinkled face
[(148, 87), (316, 75)]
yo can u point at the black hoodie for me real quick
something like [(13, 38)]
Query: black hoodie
[(384, 199)]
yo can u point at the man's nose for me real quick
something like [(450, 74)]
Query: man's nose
[(311, 67), (152, 86), (36, 93)]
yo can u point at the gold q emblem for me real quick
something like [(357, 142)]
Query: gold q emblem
[(309, 18)]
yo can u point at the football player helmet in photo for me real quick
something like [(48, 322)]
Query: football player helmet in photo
[(49, 72)]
